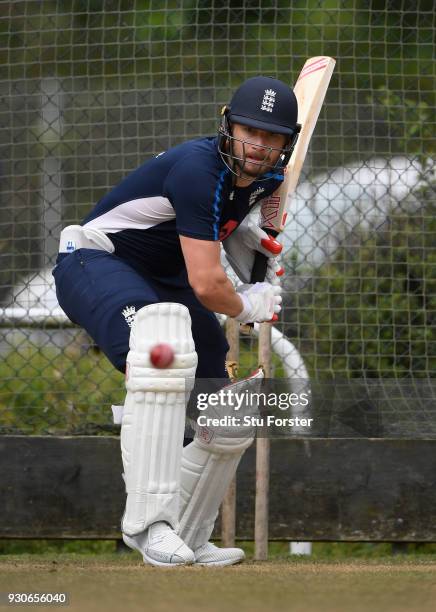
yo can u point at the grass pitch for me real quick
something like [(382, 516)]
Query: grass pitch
[(113, 582)]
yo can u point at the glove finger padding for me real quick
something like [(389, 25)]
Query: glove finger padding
[(256, 238), (263, 242), (260, 302)]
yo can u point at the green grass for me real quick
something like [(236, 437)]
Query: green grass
[(112, 582), (277, 550)]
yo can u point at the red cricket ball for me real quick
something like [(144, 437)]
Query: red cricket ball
[(162, 355)]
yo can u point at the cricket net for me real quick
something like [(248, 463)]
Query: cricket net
[(89, 92)]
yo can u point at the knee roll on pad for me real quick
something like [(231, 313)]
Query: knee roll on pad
[(153, 418)]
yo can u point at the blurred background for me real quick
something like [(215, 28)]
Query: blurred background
[(90, 90)]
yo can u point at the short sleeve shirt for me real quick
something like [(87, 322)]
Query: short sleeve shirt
[(185, 191)]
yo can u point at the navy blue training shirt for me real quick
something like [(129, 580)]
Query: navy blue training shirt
[(187, 191)]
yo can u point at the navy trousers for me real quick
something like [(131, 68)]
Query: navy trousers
[(100, 292)]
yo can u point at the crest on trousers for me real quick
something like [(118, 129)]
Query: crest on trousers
[(129, 314), (268, 101)]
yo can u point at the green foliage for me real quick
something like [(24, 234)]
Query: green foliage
[(249, 361), (371, 311), (409, 121), (44, 391), (137, 77), (116, 38)]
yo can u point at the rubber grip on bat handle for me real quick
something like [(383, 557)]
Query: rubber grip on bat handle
[(260, 267)]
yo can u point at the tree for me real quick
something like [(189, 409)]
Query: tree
[(371, 310)]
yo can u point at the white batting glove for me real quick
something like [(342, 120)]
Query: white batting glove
[(261, 301), (241, 246)]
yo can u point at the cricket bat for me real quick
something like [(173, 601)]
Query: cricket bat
[(310, 90)]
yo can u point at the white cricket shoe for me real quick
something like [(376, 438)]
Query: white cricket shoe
[(211, 555), (160, 545)]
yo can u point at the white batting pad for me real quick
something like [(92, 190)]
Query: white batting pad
[(153, 418), (209, 464), (117, 413)]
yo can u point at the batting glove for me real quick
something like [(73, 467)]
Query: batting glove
[(241, 246), (261, 301)]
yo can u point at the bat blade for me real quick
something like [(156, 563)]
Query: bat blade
[(310, 90)]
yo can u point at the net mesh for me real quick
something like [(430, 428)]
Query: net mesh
[(89, 92)]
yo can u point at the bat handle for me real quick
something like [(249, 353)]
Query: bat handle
[(260, 265)]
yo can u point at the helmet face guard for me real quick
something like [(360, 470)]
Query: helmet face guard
[(262, 103), (236, 164)]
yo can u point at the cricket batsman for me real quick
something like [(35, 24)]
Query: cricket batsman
[(143, 269)]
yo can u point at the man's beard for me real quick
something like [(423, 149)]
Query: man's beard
[(262, 167)]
